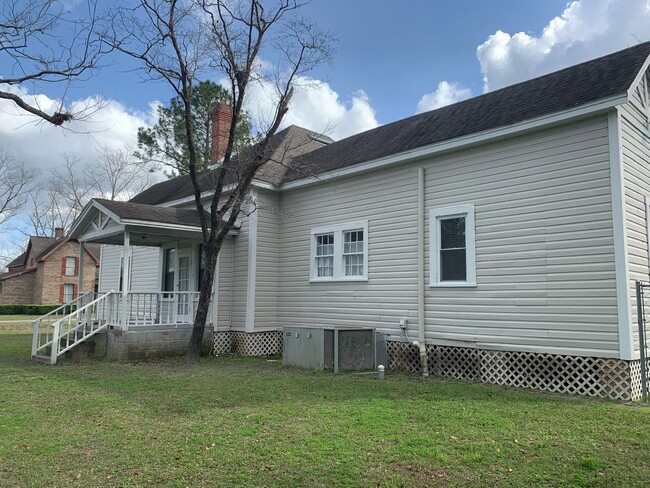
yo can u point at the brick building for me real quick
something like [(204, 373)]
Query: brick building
[(47, 272)]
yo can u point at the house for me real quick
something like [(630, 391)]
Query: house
[(496, 239), (47, 272)]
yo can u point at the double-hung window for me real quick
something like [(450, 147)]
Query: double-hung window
[(452, 246), (340, 252), (70, 265), (68, 293)]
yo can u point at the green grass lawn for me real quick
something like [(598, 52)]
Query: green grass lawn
[(233, 421)]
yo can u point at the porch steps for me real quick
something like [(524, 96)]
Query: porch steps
[(74, 335)]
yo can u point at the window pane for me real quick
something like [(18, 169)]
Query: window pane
[(452, 233), (325, 266), (170, 263), (68, 291), (325, 245), (354, 265), (69, 266), (453, 265), (353, 252)]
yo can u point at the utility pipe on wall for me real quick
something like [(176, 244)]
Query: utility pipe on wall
[(421, 338)]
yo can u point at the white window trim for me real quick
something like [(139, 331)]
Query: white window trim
[(339, 266), (435, 216)]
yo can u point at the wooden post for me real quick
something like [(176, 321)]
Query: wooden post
[(125, 279), (80, 274)]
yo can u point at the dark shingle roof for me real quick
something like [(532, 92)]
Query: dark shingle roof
[(578, 85), (42, 245), (152, 213), (19, 261), (54, 243), (571, 87), (284, 147)]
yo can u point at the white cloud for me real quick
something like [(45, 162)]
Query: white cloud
[(445, 94), (315, 106), (584, 30), (39, 143)]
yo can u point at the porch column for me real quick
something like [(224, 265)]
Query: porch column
[(80, 271), (125, 279)]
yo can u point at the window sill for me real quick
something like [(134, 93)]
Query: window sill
[(360, 279), (453, 284)]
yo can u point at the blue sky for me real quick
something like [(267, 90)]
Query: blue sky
[(393, 59), (394, 51)]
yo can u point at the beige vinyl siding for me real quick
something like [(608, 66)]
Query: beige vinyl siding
[(268, 241), (146, 274), (109, 268), (544, 244), (545, 261), (240, 277), (636, 172), (225, 283)]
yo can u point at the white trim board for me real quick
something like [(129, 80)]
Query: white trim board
[(623, 298), (252, 266)]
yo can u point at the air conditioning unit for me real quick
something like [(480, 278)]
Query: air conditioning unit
[(339, 348)]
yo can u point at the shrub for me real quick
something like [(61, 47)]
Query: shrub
[(26, 309)]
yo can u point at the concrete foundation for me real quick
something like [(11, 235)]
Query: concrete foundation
[(150, 342)]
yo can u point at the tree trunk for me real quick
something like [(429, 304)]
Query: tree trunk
[(196, 340)]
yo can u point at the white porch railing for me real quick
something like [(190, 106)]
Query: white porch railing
[(158, 308), (58, 332), (43, 326), (52, 339)]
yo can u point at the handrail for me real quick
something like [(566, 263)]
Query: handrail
[(49, 318), (81, 296), (54, 335), (74, 327)]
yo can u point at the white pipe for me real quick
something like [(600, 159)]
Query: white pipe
[(421, 342)]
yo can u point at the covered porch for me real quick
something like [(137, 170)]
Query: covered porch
[(152, 317), (169, 298)]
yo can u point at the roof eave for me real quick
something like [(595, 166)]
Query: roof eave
[(638, 78), (227, 189)]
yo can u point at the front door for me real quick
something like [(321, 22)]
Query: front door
[(184, 308)]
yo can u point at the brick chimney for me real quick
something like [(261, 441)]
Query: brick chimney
[(58, 233), (221, 120)]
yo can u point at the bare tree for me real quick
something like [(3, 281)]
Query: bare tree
[(176, 41), (16, 181), (118, 174), (41, 41), (69, 184), (48, 211), (56, 202)]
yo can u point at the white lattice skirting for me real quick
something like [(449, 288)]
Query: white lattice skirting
[(607, 378), (265, 343)]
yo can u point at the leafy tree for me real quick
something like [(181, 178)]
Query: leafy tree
[(166, 142)]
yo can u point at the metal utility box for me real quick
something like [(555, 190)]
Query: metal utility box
[(336, 348)]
